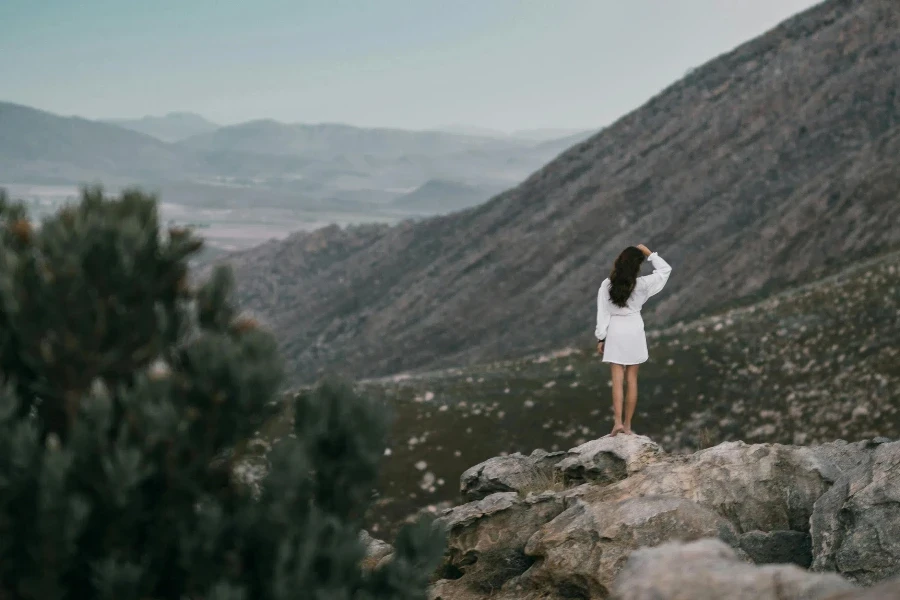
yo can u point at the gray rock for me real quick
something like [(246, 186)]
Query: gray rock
[(709, 570), (777, 547), (502, 521), (760, 487), (855, 525), (840, 457), (835, 505), (582, 550), (887, 590), (376, 550), (608, 459), (513, 473)]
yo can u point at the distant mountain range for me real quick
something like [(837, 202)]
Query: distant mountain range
[(172, 127), (538, 135), (325, 165), (438, 196), (772, 164), (40, 147)]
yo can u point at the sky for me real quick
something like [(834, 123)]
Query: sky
[(416, 64)]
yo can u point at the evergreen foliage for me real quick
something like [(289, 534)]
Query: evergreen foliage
[(122, 385)]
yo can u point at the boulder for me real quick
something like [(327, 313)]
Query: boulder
[(513, 473), (777, 547), (710, 570), (855, 525), (759, 487), (579, 553), (492, 529), (607, 459), (376, 550), (886, 590), (835, 506)]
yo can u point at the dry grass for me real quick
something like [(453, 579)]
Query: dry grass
[(543, 481), (705, 439)]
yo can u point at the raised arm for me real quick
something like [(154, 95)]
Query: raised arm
[(602, 312), (656, 281)]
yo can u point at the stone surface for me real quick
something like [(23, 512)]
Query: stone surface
[(607, 459), (759, 487), (887, 590), (376, 550), (501, 521), (777, 547), (709, 570), (579, 552), (855, 526), (836, 505), (513, 473)]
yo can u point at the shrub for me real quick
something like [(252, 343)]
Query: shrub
[(122, 382)]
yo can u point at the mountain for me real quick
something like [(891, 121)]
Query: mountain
[(343, 159), (325, 173), (438, 196), (772, 164), (172, 127), (533, 135), (461, 129), (328, 140), (547, 134), (37, 146)]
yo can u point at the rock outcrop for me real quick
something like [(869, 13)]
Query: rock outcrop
[(511, 473), (582, 549), (376, 550), (618, 517), (855, 526), (710, 570), (607, 459)]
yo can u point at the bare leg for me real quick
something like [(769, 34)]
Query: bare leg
[(631, 377), (618, 381)]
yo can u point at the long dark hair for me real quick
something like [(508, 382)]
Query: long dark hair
[(624, 275)]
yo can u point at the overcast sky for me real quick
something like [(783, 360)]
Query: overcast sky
[(500, 64)]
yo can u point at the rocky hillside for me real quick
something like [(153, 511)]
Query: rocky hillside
[(617, 517), (769, 165), (812, 364)]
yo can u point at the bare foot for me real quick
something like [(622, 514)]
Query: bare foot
[(628, 431), (617, 430)]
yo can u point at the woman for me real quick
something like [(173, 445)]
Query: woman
[(620, 328)]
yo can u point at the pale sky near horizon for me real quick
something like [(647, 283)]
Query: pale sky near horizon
[(499, 64)]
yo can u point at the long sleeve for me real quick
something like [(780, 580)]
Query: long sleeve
[(656, 281), (602, 313)]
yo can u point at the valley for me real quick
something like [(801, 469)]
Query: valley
[(757, 171)]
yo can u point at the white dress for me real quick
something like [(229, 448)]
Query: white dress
[(622, 328)]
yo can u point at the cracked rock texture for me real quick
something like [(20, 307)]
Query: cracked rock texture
[(622, 518)]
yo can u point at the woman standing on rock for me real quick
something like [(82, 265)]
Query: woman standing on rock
[(620, 328)]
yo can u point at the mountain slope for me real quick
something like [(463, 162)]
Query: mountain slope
[(316, 169), (766, 166), (40, 146), (172, 127), (814, 363), (438, 196), (328, 140)]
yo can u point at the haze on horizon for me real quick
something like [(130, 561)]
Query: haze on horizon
[(415, 64)]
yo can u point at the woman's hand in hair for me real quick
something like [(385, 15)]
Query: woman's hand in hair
[(644, 249)]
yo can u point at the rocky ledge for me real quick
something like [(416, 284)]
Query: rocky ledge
[(618, 517)]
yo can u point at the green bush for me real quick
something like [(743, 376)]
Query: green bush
[(122, 384)]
